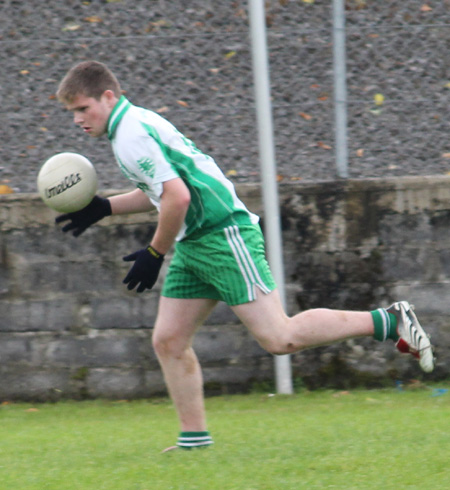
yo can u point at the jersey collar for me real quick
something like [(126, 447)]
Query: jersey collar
[(116, 115)]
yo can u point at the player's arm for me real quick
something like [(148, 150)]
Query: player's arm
[(131, 202), (175, 201)]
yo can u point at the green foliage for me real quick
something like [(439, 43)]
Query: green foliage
[(81, 374), (368, 440)]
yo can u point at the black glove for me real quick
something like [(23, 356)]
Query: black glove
[(97, 209), (145, 269)]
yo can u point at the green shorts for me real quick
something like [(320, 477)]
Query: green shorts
[(226, 265)]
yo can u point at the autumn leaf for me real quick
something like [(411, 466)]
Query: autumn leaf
[(342, 393), (360, 152), (161, 23), (378, 99), (305, 116), (324, 146), (182, 103), (5, 189), (24, 72), (162, 110), (425, 8), (230, 54), (357, 5), (157, 25), (231, 173), (446, 155), (93, 19)]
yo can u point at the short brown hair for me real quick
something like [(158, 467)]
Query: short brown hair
[(89, 78)]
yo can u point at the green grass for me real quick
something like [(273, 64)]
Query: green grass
[(313, 440)]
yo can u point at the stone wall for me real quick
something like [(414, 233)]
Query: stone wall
[(69, 328)]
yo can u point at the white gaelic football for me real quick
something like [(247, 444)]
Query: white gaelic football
[(67, 182)]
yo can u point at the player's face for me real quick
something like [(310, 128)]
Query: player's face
[(91, 114)]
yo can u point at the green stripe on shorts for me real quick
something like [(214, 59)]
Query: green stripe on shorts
[(226, 265)]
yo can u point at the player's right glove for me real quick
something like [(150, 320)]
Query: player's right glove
[(96, 210), (145, 270)]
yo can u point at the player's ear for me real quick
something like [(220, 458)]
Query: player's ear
[(110, 98)]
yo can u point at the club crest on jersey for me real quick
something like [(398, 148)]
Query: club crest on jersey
[(147, 165)]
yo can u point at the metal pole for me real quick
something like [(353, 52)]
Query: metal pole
[(268, 170), (340, 88)]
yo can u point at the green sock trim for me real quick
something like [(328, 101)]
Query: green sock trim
[(194, 434), (393, 331), (385, 325), (194, 440)]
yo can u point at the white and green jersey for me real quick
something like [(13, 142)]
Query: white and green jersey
[(151, 151)]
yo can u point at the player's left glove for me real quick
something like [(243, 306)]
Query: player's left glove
[(145, 270)]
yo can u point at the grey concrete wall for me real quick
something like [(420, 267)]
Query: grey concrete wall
[(69, 328)]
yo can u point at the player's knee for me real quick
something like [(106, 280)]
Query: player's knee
[(163, 346), (279, 347), (281, 350), (167, 346)]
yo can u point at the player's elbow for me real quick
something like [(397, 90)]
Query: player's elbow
[(176, 194), (185, 199)]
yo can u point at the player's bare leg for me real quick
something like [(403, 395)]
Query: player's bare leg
[(176, 324), (280, 334)]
